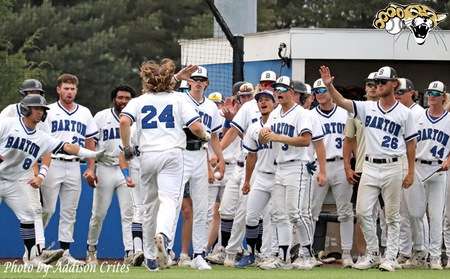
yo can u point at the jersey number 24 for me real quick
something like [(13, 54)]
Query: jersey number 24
[(166, 116)]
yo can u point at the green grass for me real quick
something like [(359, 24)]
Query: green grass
[(220, 272)]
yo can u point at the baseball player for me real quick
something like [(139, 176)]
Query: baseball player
[(428, 193), (160, 115), (333, 119), (406, 94), (289, 128), (110, 178), (33, 86), (21, 145), (390, 133), (259, 161), (307, 98), (70, 122)]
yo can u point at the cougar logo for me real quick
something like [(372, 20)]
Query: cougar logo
[(419, 19)]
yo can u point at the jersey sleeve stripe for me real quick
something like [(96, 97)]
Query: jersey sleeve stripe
[(235, 125), (355, 111), (92, 135), (413, 136), (305, 131), (216, 129), (317, 138), (250, 149), (129, 115), (58, 147), (189, 123)]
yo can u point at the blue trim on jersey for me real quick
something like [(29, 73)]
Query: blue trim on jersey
[(192, 121), (129, 116), (91, 135), (305, 131), (216, 129), (317, 138), (355, 110), (287, 112), (195, 101), (413, 105), (324, 114), (411, 137), (115, 115), (389, 110), (18, 110), (249, 149), (237, 126), (435, 120), (66, 111), (58, 147), (27, 131)]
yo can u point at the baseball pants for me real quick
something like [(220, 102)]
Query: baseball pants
[(390, 185), (63, 180), (109, 180), (161, 181), (342, 192)]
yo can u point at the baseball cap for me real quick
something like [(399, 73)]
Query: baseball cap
[(386, 73), (184, 85), (264, 93), (371, 76), (236, 87), (246, 89), (405, 84), (268, 76), (436, 87), (308, 89), (319, 87), (216, 97), (283, 83), (201, 72), (299, 87)]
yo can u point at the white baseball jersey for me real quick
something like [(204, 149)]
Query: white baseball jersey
[(417, 111), (108, 137), (160, 119), (433, 141), (134, 138), (292, 123), (333, 125), (247, 114), (71, 126), (208, 111), (317, 134), (388, 131), (266, 156), (230, 154), (20, 147)]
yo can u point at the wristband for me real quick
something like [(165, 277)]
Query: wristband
[(126, 172), (175, 78), (43, 171), (227, 123)]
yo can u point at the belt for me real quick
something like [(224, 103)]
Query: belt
[(240, 164), (438, 162), (194, 145), (290, 161), (66, 160), (230, 163), (266, 172), (334, 159), (380, 160)]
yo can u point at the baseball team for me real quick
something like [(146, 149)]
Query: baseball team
[(248, 174)]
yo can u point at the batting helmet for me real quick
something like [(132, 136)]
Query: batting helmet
[(33, 100), (30, 85), (236, 87)]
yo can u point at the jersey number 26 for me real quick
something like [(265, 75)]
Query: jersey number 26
[(166, 116)]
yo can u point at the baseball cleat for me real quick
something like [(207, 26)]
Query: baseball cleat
[(277, 263), (217, 257), (151, 264), (138, 258), (367, 262), (347, 261), (67, 259), (401, 259), (200, 263), (161, 251), (303, 263), (91, 258), (387, 265), (294, 252), (246, 261), (49, 256), (37, 263), (230, 260), (435, 263), (184, 260)]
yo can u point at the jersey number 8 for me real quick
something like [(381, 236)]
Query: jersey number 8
[(166, 116)]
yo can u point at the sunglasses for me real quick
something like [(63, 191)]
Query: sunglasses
[(319, 90), (281, 89), (381, 81), (199, 79), (434, 93)]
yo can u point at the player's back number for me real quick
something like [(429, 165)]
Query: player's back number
[(164, 116)]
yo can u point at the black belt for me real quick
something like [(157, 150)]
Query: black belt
[(381, 161), (266, 172), (334, 159), (240, 164), (290, 161), (66, 160), (438, 162), (194, 145)]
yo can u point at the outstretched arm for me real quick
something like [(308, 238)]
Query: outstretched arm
[(327, 79)]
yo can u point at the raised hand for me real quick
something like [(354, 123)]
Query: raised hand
[(325, 75)]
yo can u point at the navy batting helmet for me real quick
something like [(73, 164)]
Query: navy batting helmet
[(30, 85), (33, 100)]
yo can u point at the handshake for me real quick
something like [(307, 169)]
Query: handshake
[(130, 151)]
